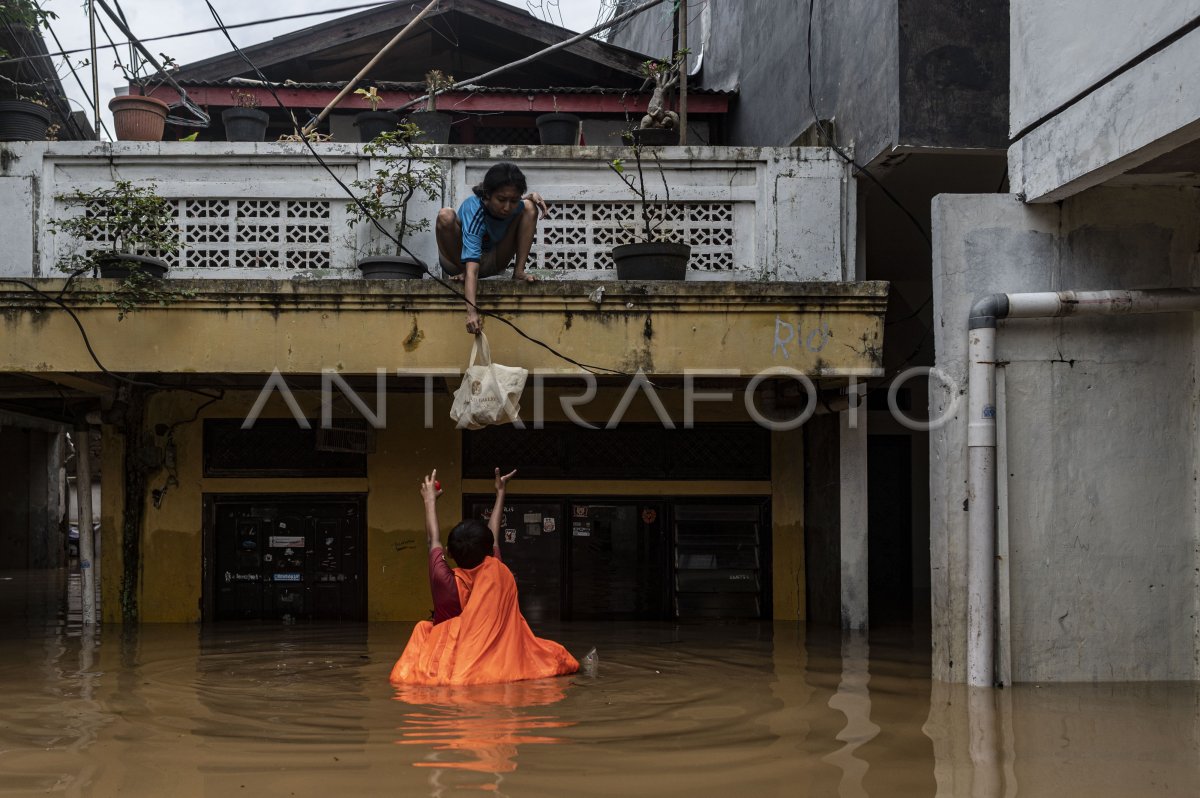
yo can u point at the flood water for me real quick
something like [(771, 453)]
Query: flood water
[(750, 709)]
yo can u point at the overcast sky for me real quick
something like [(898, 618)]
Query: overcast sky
[(149, 18)]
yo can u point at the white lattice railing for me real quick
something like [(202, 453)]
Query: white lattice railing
[(579, 235), (268, 212)]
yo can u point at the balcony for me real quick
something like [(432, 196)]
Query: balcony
[(271, 211)]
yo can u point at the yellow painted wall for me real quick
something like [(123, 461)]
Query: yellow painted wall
[(396, 556), (252, 326)]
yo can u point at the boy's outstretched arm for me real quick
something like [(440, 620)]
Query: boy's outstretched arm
[(498, 508), (430, 490)]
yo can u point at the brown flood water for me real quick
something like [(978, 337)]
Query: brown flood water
[(752, 709)]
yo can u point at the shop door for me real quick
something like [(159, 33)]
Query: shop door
[(531, 546), (618, 560), (278, 557), (720, 565)]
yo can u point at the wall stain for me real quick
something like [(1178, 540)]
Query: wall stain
[(415, 337)]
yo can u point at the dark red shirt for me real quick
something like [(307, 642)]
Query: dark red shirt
[(441, 584)]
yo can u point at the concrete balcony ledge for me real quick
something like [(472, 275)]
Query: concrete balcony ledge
[(357, 326), (272, 211)]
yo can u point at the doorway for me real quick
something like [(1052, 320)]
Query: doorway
[(630, 558), (284, 557)]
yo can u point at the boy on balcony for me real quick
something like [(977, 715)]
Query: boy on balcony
[(490, 227), (478, 635)]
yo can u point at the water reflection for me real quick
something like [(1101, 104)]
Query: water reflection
[(478, 728), (675, 710)]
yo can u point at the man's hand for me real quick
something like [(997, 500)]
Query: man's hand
[(502, 481), (474, 322), (431, 488), (539, 203)]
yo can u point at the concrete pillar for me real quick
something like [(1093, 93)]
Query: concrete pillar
[(83, 490), (853, 506)]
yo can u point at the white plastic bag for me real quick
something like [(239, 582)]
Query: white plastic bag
[(490, 393)]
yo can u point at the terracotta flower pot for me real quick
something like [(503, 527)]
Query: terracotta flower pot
[(138, 118)]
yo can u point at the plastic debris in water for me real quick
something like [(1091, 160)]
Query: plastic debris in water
[(589, 663)]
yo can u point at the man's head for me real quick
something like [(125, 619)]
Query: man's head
[(502, 189), (469, 543)]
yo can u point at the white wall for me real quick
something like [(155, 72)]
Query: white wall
[(778, 213), (1101, 435), (1060, 47)]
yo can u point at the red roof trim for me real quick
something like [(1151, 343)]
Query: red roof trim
[(461, 102)]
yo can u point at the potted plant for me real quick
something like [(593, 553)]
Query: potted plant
[(659, 126), (133, 226), (559, 128), (651, 258), (433, 125), (371, 123), (405, 171), (24, 112), (140, 117), (244, 121)]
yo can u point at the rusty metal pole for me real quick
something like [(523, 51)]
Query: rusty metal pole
[(683, 73)]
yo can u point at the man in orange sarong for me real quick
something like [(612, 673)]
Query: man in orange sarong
[(489, 642)]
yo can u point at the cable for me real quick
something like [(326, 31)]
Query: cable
[(199, 31), (46, 89), (87, 341), (833, 146), (863, 170), (86, 95), (399, 243), (202, 118), (646, 6)]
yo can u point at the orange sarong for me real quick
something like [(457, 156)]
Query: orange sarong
[(488, 644)]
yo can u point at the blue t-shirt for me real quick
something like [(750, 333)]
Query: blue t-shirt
[(481, 230)]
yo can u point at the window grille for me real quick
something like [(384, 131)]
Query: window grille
[(242, 233), (579, 235)]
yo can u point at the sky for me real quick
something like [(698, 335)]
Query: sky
[(148, 18)]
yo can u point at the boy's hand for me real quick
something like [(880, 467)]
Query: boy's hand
[(501, 481), (539, 203), (431, 488)]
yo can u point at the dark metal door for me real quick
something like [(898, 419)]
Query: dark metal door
[(531, 546), (285, 557), (618, 559)]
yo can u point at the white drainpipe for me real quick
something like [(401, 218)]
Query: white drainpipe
[(981, 434)]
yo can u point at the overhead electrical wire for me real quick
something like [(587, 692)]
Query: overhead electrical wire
[(399, 243), (828, 140), (213, 29), (86, 94)]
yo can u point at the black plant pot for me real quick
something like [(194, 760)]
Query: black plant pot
[(435, 126), (245, 124), (658, 260), (654, 136), (21, 120), (390, 267), (371, 123), (559, 128), (121, 265)]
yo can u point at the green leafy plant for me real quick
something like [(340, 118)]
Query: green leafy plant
[(405, 172), (435, 81), (371, 96), (125, 220), (20, 80), (23, 14), (651, 206)]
